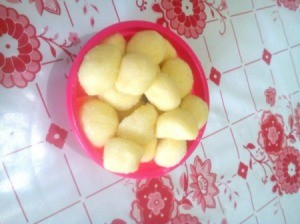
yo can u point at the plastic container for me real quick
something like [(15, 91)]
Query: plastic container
[(75, 93)]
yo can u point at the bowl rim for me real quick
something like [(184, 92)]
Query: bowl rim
[(96, 39)]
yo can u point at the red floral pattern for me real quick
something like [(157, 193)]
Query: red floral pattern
[(203, 183), (271, 136), (19, 56), (297, 120), (290, 4), (155, 201), (187, 17), (270, 95), (288, 170), (56, 136), (184, 219), (74, 38)]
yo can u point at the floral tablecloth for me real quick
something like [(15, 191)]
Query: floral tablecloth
[(245, 170)]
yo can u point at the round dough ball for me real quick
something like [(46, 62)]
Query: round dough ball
[(122, 155), (99, 121), (169, 152), (181, 73), (170, 51), (120, 101), (99, 68), (116, 40), (163, 93), (148, 42), (197, 107), (136, 74)]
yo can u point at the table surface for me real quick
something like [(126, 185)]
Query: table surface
[(246, 168)]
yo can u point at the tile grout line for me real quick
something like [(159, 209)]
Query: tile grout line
[(15, 193), (53, 61), (223, 104), (72, 175), (236, 147), (248, 84), (104, 188), (42, 98), (57, 212), (87, 213), (113, 2), (21, 149), (71, 21)]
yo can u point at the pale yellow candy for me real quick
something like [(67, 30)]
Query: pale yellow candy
[(148, 42), (140, 125), (177, 124), (196, 107), (117, 40), (181, 73), (120, 101), (99, 68), (170, 152), (170, 51), (149, 151), (163, 93), (136, 74), (125, 113), (99, 121), (122, 155)]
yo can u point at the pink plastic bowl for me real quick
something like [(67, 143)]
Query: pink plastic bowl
[(76, 95)]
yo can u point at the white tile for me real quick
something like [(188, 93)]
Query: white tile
[(89, 176), (272, 212), (290, 20), (296, 58), (266, 3), (10, 213), (216, 117), (248, 37), (220, 45), (243, 201), (73, 214), (131, 11), (260, 79), (215, 149), (284, 74), (235, 7), (291, 213), (257, 187), (271, 30), (23, 117), (235, 89), (244, 132), (81, 21), (110, 203), (42, 180), (199, 48)]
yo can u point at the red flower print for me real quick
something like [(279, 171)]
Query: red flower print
[(271, 136), (242, 170), (19, 55), (270, 95), (187, 17), (215, 76), (297, 120), (203, 183), (288, 170), (185, 218), (74, 38), (154, 201), (56, 136), (290, 4)]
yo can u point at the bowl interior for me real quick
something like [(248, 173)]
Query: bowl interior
[(76, 95)]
